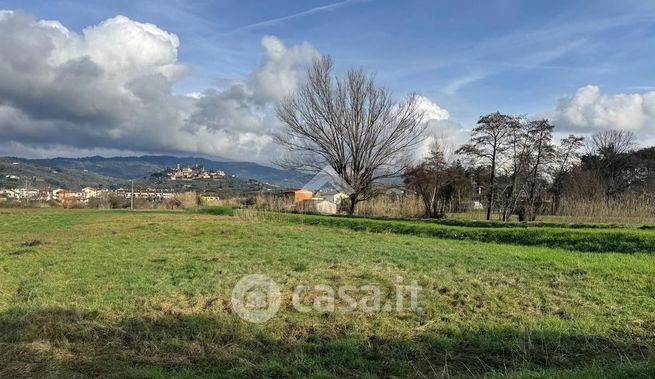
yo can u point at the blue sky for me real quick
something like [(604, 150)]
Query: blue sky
[(469, 57)]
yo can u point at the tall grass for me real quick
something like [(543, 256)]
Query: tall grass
[(626, 209), (629, 209), (276, 203), (252, 215), (401, 206)]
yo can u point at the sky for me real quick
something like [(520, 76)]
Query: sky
[(202, 77)]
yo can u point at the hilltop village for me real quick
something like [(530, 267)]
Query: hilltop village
[(196, 172)]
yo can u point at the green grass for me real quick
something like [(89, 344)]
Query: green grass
[(147, 294)]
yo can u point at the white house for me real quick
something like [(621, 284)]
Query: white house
[(26, 193), (9, 194), (333, 196)]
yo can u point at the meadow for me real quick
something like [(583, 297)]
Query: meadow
[(90, 293)]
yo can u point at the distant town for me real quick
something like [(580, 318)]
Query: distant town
[(86, 194), (83, 195)]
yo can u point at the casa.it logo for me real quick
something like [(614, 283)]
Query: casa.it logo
[(256, 298)]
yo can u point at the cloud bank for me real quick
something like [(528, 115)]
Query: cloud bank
[(108, 89), (589, 111)]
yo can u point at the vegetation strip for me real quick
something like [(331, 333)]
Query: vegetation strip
[(599, 240)]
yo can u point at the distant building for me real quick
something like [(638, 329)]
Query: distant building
[(150, 194), (55, 193), (298, 195), (27, 193), (210, 198), (90, 192), (394, 191), (69, 195), (477, 205), (9, 194), (45, 195)]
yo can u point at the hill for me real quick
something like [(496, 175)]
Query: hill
[(144, 166), (38, 176), (15, 173)]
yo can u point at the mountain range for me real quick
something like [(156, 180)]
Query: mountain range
[(126, 168)]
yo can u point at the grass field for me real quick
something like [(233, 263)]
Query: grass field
[(147, 294)]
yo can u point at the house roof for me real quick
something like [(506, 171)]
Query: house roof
[(294, 190)]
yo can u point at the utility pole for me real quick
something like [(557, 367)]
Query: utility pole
[(132, 197), (24, 194)]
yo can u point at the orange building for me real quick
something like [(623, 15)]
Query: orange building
[(298, 195)]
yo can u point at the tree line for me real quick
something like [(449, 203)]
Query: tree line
[(512, 165)]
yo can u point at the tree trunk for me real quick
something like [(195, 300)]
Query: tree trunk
[(556, 203), (353, 204), (433, 203), (533, 189), (492, 178), (509, 205)]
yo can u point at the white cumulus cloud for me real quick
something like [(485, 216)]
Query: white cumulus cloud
[(439, 127), (281, 69), (431, 111), (589, 110)]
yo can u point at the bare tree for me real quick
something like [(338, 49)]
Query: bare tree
[(428, 179), (566, 156), (515, 166), (608, 154), (488, 142), (349, 124), (542, 151), (610, 143)]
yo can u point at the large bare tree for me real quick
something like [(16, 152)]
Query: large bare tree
[(349, 124)]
